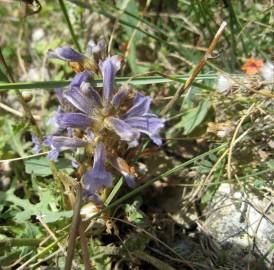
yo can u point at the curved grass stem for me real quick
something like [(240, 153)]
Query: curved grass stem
[(71, 30)]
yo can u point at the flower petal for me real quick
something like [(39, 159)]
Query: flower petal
[(93, 48), (37, 146), (62, 143), (75, 164), (59, 93), (92, 94), (66, 53), (122, 166), (149, 125), (79, 78), (53, 154), (109, 68), (79, 101), (125, 131), (73, 120), (141, 105), (120, 96), (98, 176)]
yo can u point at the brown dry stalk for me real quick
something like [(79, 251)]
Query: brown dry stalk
[(233, 141), (196, 71)]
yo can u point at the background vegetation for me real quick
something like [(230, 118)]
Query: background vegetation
[(212, 139)]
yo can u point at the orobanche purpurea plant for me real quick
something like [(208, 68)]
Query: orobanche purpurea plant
[(99, 126)]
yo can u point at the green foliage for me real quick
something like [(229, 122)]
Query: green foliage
[(191, 119), (46, 208), (40, 166), (135, 36), (134, 214), (166, 36)]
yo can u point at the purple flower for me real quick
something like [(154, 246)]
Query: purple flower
[(98, 176), (67, 54), (127, 125), (61, 143), (105, 121), (37, 146), (138, 119), (79, 61), (109, 68), (94, 48), (122, 166)]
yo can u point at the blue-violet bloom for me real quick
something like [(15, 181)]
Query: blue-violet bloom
[(106, 122)]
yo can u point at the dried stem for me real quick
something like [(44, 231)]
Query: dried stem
[(196, 71), (234, 141)]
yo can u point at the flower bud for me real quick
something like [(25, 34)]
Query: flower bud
[(27, 96)]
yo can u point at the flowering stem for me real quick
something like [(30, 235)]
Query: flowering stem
[(74, 228), (73, 36), (84, 247)]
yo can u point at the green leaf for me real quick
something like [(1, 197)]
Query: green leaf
[(40, 166), (194, 117), (270, 164), (13, 131), (134, 214), (99, 83), (43, 208)]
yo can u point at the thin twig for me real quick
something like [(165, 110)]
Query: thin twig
[(53, 236), (20, 158), (15, 112), (51, 233), (40, 253), (196, 71), (233, 141), (260, 221), (13, 264), (10, 110)]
